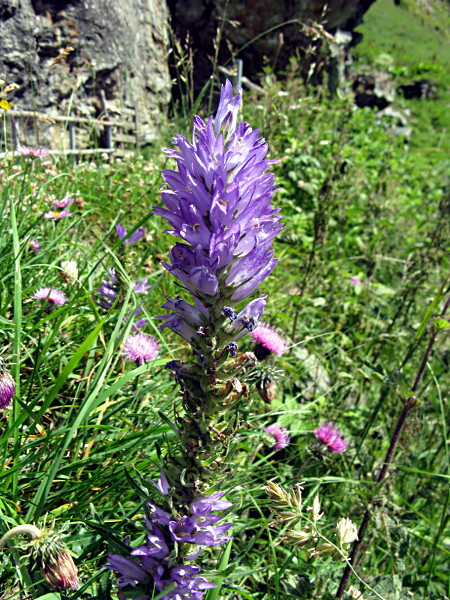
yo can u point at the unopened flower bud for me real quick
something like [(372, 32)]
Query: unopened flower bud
[(267, 390), (315, 509), (49, 554), (7, 386)]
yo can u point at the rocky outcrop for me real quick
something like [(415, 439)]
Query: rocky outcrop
[(264, 32), (118, 57)]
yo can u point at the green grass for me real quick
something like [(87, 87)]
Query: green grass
[(414, 39)]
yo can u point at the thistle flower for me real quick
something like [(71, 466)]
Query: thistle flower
[(7, 386), (331, 437), (267, 341), (32, 152), (218, 203), (140, 348), (52, 295), (280, 435), (134, 237)]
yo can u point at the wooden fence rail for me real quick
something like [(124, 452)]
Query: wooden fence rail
[(76, 135)]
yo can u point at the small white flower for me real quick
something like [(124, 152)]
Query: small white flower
[(346, 531)]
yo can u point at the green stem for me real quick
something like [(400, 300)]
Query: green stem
[(27, 529), (15, 370)]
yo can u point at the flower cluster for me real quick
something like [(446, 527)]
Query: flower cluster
[(287, 507), (329, 435), (218, 204), (59, 209), (155, 565)]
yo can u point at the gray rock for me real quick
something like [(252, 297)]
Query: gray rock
[(376, 90), (119, 57)]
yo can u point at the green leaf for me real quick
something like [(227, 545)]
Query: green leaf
[(214, 594), (440, 323), (430, 310)]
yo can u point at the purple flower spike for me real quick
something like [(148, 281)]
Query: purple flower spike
[(331, 437), (218, 203)]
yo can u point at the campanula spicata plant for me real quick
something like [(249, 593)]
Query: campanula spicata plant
[(218, 205)]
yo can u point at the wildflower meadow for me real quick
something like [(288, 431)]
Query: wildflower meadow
[(224, 361)]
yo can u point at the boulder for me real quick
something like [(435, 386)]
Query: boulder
[(115, 58), (421, 88)]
